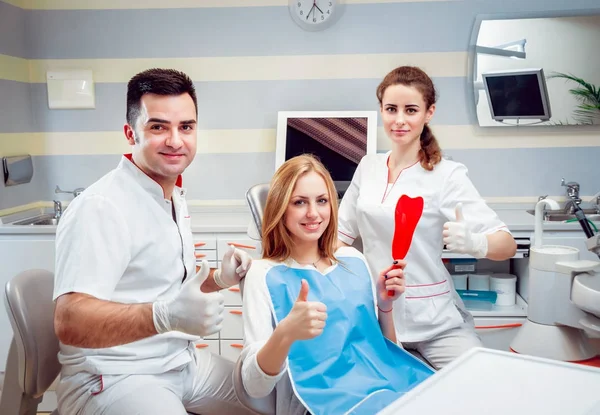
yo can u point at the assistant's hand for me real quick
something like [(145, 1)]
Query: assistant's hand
[(191, 310), (458, 238), (306, 320), (234, 266), (390, 279)]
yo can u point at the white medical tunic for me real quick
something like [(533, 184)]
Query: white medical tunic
[(118, 242), (430, 304)]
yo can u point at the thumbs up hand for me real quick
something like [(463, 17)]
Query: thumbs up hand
[(458, 238), (307, 319)]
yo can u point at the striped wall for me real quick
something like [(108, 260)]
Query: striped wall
[(248, 61)]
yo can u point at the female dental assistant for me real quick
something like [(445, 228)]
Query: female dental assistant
[(430, 317)]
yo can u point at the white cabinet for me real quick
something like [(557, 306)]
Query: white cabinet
[(205, 248), (231, 349), (498, 332), (19, 253), (210, 345), (240, 240)]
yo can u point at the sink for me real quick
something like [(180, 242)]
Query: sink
[(38, 220), (560, 215)]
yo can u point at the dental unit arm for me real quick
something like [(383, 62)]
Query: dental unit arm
[(564, 299)]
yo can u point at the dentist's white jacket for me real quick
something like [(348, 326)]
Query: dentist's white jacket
[(430, 304)]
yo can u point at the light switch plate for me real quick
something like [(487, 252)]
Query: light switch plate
[(69, 89)]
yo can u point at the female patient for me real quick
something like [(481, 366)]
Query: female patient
[(314, 324)]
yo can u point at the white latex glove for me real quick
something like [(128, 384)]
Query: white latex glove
[(458, 238), (191, 310), (234, 266)]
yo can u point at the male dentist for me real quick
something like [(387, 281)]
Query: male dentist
[(129, 303)]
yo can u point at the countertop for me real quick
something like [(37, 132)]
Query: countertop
[(237, 218)]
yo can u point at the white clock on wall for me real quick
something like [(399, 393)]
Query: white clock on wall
[(315, 14)]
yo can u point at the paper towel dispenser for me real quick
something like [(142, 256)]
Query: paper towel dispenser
[(17, 170)]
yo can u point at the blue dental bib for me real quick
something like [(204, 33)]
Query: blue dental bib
[(351, 368)]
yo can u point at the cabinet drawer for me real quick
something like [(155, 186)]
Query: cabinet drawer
[(203, 255), (211, 264), (212, 346), (249, 245), (233, 327), (212, 336), (498, 332), (232, 296), (205, 241), (231, 349)]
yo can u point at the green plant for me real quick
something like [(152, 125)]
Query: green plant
[(588, 95)]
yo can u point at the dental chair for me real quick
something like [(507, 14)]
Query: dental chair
[(256, 197), (32, 363)]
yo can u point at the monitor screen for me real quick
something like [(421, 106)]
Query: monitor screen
[(339, 139), (517, 95), (339, 143)]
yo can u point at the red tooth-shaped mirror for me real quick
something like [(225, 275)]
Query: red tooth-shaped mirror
[(407, 215)]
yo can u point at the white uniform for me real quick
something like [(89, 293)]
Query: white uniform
[(258, 327), (118, 242), (430, 309)]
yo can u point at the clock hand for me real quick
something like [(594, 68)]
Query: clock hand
[(310, 11), (319, 9)]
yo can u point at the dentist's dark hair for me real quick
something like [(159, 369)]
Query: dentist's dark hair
[(430, 153), (157, 81)]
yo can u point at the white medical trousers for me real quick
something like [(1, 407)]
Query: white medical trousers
[(448, 345), (203, 386)]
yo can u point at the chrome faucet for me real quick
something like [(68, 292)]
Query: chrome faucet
[(58, 210), (572, 194), (75, 192), (595, 201)]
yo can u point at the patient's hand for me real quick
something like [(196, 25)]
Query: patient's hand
[(390, 279), (306, 320)]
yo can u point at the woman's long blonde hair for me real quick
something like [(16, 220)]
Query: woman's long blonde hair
[(276, 239)]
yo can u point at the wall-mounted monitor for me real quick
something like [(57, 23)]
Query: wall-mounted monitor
[(340, 139), (517, 94)]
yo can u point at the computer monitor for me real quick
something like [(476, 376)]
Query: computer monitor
[(340, 139), (517, 94)]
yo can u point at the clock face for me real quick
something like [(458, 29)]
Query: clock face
[(313, 14)]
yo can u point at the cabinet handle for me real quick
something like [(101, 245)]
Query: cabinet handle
[(199, 244), (199, 255), (237, 345), (500, 326), (237, 245), (234, 289), (238, 312), (201, 346)]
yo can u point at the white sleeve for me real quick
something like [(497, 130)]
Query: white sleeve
[(258, 327), (92, 248), (347, 224), (479, 216)]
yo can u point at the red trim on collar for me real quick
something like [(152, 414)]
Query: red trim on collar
[(387, 179), (178, 182)]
